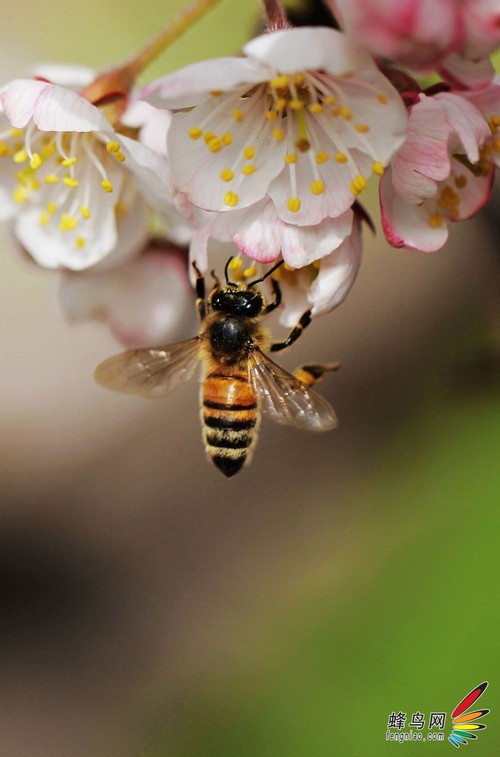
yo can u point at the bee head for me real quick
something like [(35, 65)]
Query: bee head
[(235, 301)]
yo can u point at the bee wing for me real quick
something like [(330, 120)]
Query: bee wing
[(286, 399), (153, 372)]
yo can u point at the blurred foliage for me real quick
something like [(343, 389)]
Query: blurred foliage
[(416, 631)]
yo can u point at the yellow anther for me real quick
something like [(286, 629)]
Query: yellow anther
[(113, 146), (68, 223), (226, 174), (231, 199), (344, 112), (217, 92), (496, 144), (330, 100), (237, 114), (249, 152), (288, 267), (71, 182), (358, 184), (209, 135), (303, 145), (35, 184), (296, 104), (382, 99), (119, 156), (16, 132), (35, 161), (321, 157), (249, 272), (21, 156), (84, 212), (44, 218), (340, 157), (22, 178), (48, 150), (107, 185), (378, 168), (51, 207), (317, 187), (299, 79), (278, 134), (435, 220), (5, 150), (226, 139), (293, 204), (280, 82), (248, 169), (234, 264), (51, 179), (461, 181), (495, 120), (81, 242), (362, 128), (290, 158), (19, 195), (315, 108), (280, 104), (195, 132), (67, 162), (271, 115), (214, 144)]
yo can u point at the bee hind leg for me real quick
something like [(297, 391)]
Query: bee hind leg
[(311, 374), (277, 297)]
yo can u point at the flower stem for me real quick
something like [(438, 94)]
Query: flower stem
[(275, 13), (119, 79), (174, 29)]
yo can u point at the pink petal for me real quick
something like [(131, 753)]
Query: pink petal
[(19, 99), (465, 121), (60, 109)]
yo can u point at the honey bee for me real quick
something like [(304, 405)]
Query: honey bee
[(239, 379)]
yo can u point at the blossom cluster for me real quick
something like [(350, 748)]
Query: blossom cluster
[(265, 154)]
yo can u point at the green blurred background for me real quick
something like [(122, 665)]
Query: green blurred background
[(150, 608)]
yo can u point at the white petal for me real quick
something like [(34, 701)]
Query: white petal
[(19, 99), (60, 109), (294, 50), (192, 84), (152, 122), (149, 169), (337, 274), (73, 77)]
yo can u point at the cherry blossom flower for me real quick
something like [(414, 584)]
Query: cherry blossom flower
[(299, 125), (455, 36), (75, 188), (440, 174), (145, 301)]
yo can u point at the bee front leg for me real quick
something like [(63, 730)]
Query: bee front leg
[(277, 297), (304, 320), (311, 374), (200, 293)]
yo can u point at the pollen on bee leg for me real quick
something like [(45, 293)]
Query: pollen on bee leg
[(293, 204), (231, 199)]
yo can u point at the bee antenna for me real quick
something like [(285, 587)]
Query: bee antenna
[(226, 273), (265, 276)]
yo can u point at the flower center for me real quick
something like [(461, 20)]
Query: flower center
[(59, 173)]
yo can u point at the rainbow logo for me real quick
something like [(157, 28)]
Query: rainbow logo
[(465, 723)]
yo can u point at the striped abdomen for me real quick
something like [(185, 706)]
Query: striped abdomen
[(230, 417)]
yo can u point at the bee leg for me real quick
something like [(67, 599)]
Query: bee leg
[(215, 278), (311, 374), (200, 293), (277, 297), (304, 320)]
